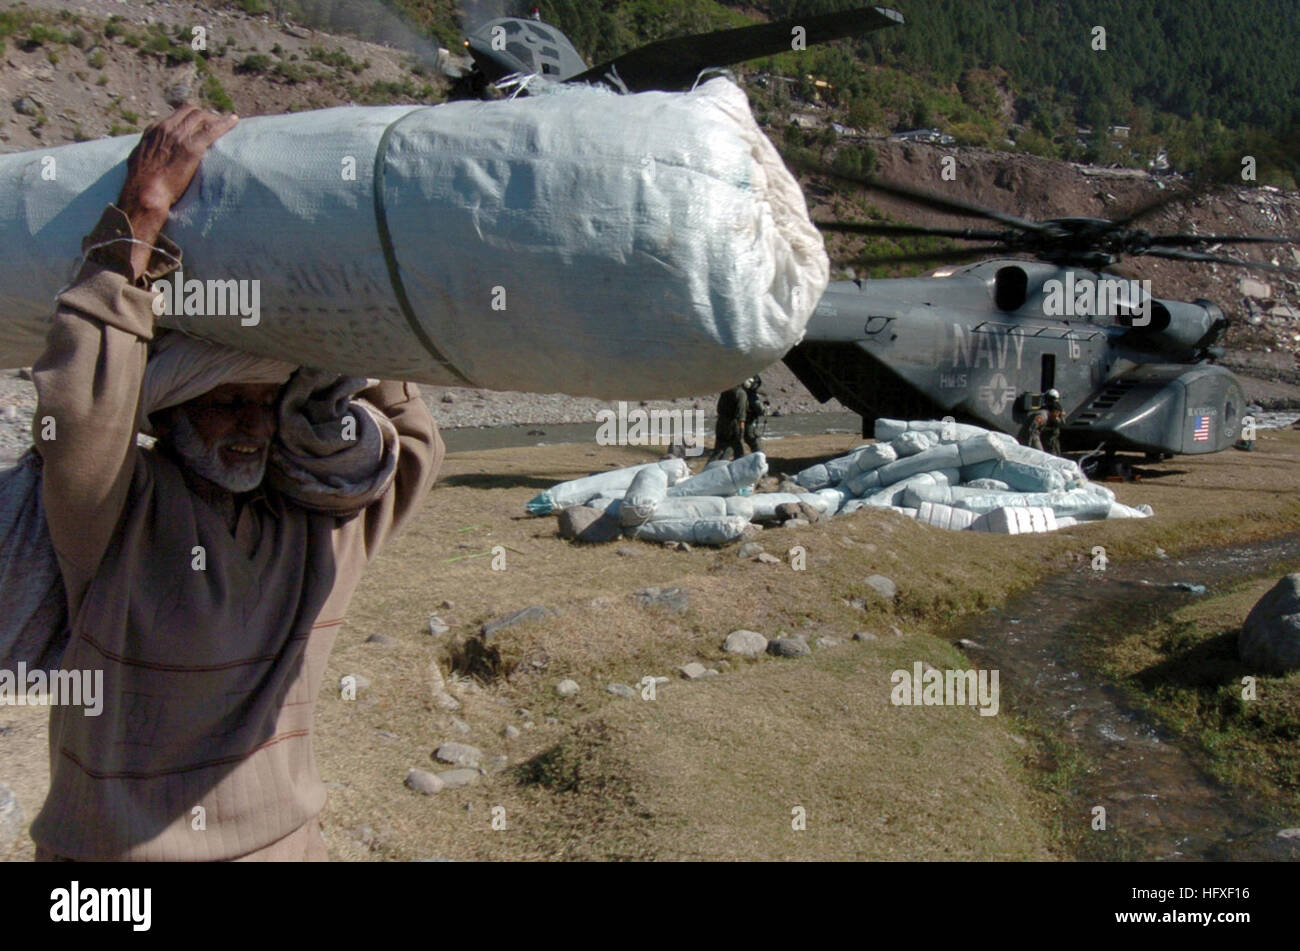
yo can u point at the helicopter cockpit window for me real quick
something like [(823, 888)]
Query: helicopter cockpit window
[(1010, 287)]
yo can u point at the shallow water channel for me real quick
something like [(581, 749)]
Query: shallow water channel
[(1158, 802)]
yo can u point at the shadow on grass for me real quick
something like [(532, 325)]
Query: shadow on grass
[(488, 480), (1204, 665)]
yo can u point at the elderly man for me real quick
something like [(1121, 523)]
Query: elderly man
[(208, 576)]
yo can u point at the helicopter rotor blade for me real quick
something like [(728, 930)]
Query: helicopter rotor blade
[(674, 64), (938, 257), (1170, 197), (952, 206), (1190, 240), (1175, 255), (884, 228)]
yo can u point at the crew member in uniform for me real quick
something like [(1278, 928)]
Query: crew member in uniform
[(730, 428), (755, 409), (1055, 420)]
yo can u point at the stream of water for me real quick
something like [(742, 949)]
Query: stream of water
[(1155, 795)]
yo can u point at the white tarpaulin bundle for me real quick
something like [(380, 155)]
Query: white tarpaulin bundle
[(581, 491), (619, 246)]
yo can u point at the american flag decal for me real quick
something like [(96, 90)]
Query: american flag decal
[(1202, 431)]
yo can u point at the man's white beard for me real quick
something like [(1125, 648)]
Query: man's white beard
[(207, 462)]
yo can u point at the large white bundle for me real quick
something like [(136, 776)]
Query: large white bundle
[(691, 507), (894, 494), (1017, 520), (863, 483), (703, 531), (939, 457), (742, 505), (648, 488), (944, 516), (945, 494), (637, 246), (1069, 469), (1077, 503), (860, 460), (912, 442), (607, 484), (737, 477), (831, 499), (890, 429)]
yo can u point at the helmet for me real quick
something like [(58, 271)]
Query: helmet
[(1053, 394)]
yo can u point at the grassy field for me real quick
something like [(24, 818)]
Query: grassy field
[(717, 768), (728, 767), (1186, 672)]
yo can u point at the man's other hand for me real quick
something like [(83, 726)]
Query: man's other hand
[(160, 168)]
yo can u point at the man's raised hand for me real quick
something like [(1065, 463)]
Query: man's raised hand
[(161, 167)]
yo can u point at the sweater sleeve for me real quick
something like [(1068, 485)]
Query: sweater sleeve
[(418, 461), (87, 386)]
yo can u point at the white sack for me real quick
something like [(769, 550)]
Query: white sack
[(910, 443), (833, 498), (893, 495), (581, 491), (944, 516), (863, 483), (946, 456), (648, 489), (742, 505), (815, 477), (691, 507), (989, 484), (704, 531), (1017, 520), (649, 245), (890, 429), (737, 477), (1076, 503)]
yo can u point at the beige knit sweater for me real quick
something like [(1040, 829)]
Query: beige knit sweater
[(210, 676)]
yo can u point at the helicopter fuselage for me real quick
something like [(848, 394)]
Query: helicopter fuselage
[(982, 343)]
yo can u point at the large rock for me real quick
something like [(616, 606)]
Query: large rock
[(1270, 638), (1251, 287), (882, 586), (746, 643), (789, 647), (583, 523), (423, 782), (458, 754)]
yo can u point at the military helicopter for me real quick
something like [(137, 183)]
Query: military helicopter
[(982, 342), (504, 47)]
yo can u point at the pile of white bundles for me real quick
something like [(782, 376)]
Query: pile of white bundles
[(945, 474), (580, 241), (958, 476)]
